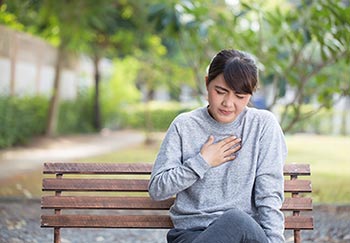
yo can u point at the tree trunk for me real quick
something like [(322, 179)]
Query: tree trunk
[(97, 112), (51, 128), (13, 63), (344, 116)]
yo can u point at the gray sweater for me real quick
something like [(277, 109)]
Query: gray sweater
[(252, 182)]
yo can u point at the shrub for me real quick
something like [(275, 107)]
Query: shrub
[(76, 116), (21, 118), (152, 117)]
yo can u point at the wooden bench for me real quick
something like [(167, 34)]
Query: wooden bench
[(126, 187)]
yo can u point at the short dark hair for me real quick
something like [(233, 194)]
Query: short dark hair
[(239, 69)]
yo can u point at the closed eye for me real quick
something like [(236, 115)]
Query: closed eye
[(220, 92), (240, 96)]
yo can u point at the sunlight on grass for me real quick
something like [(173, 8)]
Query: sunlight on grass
[(327, 155), (330, 165), (140, 153), (29, 184)]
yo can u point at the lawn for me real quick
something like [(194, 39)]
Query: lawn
[(330, 166)]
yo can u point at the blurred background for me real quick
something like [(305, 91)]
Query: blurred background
[(101, 81)]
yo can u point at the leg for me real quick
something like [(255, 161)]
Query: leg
[(234, 226), (183, 235)]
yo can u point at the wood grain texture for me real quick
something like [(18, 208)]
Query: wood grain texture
[(140, 203), (95, 185), (81, 188), (95, 202), (97, 168), (139, 221)]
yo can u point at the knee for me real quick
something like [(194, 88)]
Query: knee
[(239, 220), (245, 225), (236, 215)]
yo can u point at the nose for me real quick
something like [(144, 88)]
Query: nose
[(228, 100)]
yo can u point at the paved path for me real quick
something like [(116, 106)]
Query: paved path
[(20, 159)]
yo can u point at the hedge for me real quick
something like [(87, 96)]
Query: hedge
[(21, 118), (153, 117)]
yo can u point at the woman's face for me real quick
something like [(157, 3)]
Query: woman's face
[(224, 103)]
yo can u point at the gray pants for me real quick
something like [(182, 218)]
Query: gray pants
[(234, 226)]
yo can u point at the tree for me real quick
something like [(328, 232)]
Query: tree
[(294, 44), (99, 30), (65, 25), (298, 48), (117, 30), (188, 23), (70, 18)]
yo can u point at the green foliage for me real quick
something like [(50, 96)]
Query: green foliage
[(120, 90), (76, 116), (9, 19), (301, 45), (26, 117), (326, 121), (21, 118), (320, 123), (153, 116)]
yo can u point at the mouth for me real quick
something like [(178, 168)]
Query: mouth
[(225, 112)]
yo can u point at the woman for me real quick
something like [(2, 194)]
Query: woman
[(224, 162)]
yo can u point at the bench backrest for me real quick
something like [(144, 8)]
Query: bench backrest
[(124, 187)]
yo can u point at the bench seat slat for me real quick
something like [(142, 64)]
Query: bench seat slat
[(299, 222), (95, 185), (97, 168), (297, 186), (297, 203), (106, 221), (140, 221), (136, 168), (51, 184), (296, 169), (137, 203), (89, 202)]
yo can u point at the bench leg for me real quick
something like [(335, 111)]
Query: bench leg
[(57, 235), (297, 237)]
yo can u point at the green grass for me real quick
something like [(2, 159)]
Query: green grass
[(29, 184), (141, 153), (329, 159), (328, 156)]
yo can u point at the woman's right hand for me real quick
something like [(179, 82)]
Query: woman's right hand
[(221, 152)]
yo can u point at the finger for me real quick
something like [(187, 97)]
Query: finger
[(227, 140), (230, 157), (232, 150), (231, 144), (210, 140), (235, 148)]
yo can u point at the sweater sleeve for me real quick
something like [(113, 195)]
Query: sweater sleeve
[(170, 173), (269, 183)]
